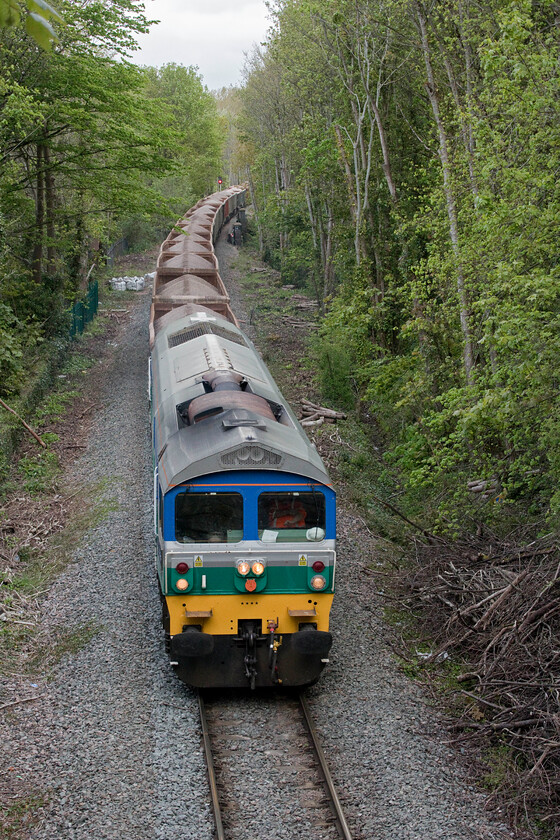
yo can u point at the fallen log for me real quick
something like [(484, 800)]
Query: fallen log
[(324, 412), (293, 322), (21, 420), (310, 409)]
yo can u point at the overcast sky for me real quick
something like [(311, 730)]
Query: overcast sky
[(211, 34)]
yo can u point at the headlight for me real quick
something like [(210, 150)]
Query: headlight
[(243, 567), (182, 584), (257, 567), (318, 582)]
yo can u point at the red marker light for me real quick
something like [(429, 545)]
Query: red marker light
[(250, 585), (318, 566), (184, 567)]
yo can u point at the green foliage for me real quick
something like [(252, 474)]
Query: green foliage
[(334, 364), (86, 136), (501, 763), (11, 351), (39, 472), (53, 407), (140, 234), (197, 146), (37, 20), (18, 818), (39, 306), (76, 363), (442, 296)]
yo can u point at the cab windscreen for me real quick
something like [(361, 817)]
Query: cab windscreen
[(208, 517), (291, 516)]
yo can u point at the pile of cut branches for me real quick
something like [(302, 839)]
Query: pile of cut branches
[(495, 607)]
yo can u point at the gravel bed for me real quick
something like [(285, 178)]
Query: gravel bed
[(113, 741)]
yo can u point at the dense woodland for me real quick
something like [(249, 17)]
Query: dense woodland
[(403, 160), (405, 164), (93, 148)]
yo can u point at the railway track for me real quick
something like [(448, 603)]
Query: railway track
[(267, 772)]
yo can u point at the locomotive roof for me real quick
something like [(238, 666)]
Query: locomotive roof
[(237, 434)]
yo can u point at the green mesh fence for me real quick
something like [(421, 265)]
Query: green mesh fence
[(84, 310)]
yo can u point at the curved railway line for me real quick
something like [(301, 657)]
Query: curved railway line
[(287, 757)]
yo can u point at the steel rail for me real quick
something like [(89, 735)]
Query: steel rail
[(340, 820), (220, 835)]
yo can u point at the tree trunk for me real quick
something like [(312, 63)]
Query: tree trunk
[(468, 357), (347, 170), (326, 255), (373, 104), (255, 211), (49, 203), (37, 260), (312, 220), (352, 183), (387, 171), (464, 125)]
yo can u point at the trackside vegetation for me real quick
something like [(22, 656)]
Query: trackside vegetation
[(404, 168), (403, 161)]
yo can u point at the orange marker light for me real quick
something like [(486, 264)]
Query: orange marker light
[(182, 584), (318, 582), (250, 585)]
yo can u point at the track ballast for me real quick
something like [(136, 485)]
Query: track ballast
[(268, 775)]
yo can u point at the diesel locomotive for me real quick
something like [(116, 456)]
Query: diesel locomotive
[(244, 510)]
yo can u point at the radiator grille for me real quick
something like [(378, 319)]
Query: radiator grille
[(196, 331), (251, 456)]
